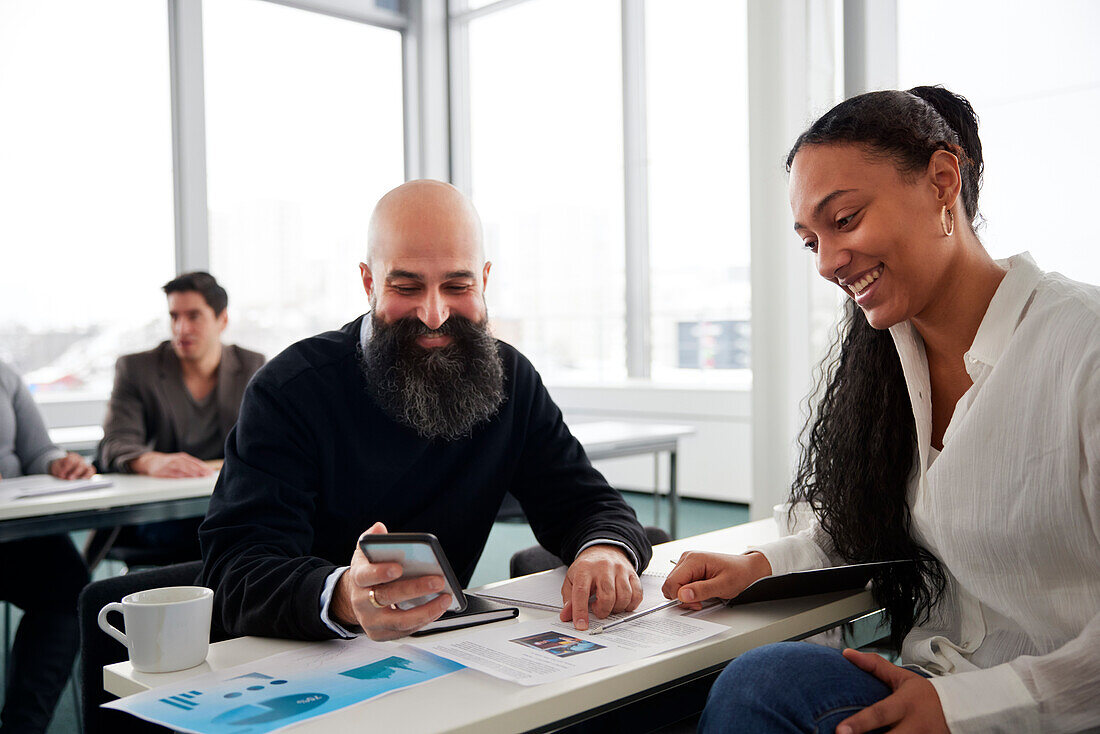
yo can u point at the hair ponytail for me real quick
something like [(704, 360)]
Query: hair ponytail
[(959, 115)]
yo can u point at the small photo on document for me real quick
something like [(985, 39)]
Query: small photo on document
[(558, 644)]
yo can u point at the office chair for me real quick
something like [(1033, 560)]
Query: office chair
[(536, 558), (113, 544), (510, 510), (98, 649), (119, 544)]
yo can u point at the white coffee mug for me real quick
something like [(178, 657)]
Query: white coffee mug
[(166, 629)]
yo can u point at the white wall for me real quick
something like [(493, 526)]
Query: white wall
[(66, 410)]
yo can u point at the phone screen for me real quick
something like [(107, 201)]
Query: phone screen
[(417, 558)]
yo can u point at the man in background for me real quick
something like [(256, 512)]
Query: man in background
[(172, 407)]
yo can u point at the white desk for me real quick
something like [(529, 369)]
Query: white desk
[(131, 499), (469, 701), (615, 439)]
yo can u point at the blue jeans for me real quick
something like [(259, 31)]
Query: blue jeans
[(792, 687)]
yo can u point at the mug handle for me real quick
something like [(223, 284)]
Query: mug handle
[(108, 627)]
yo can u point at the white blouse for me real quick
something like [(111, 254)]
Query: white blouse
[(1011, 507)]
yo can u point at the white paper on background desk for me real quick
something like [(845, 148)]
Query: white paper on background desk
[(268, 694), (36, 485), (531, 653)]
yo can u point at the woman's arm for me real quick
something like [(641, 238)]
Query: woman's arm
[(1052, 693), (701, 576), (32, 442), (806, 550)]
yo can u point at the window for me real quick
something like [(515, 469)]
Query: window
[(304, 134), (1032, 73), (546, 162), (543, 85), (697, 75), (86, 216)]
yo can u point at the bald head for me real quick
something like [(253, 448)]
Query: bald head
[(424, 218), (425, 258)]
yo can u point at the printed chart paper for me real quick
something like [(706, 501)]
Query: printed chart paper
[(531, 653), (274, 692)]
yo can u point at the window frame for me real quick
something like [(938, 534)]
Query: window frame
[(189, 107), (635, 143)]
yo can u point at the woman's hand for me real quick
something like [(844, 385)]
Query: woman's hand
[(914, 705), (71, 466), (701, 576)]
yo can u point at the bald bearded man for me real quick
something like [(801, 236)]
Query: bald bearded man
[(411, 418)]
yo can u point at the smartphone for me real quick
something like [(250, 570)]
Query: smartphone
[(419, 554)]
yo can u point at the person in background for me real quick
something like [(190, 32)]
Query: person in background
[(412, 418), (172, 407), (959, 427), (42, 576)]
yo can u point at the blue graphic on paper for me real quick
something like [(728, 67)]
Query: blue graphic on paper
[(384, 668), (273, 709), (256, 702)]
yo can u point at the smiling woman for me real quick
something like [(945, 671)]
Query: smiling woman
[(868, 184), (958, 427)]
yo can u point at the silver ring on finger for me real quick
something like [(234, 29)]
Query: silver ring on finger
[(374, 600)]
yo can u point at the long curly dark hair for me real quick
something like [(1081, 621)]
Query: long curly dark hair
[(859, 446)]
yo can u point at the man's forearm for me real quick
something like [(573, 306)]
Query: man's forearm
[(139, 464)]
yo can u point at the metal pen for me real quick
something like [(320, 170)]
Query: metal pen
[(632, 617)]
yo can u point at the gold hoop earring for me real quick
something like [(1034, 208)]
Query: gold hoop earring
[(947, 221)]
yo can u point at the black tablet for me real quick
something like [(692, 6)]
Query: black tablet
[(807, 583)]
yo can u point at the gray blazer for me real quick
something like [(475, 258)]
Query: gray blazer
[(148, 402)]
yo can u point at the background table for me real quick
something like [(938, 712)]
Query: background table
[(601, 440), (616, 439), (131, 499), (667, 685)]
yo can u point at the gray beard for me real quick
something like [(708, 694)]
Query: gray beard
[(441, 392)]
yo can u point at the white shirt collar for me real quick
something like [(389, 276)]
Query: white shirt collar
[(1005, 310), (995, 331)]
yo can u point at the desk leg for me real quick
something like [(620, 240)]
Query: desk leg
[(657, 489), (672, 499)]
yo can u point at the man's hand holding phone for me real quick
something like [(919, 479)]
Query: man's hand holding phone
[(366, 592)]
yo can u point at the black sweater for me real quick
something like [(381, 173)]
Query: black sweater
[(313, 462)]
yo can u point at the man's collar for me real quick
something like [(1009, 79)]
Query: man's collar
[(1005, 309), (228, 361)]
